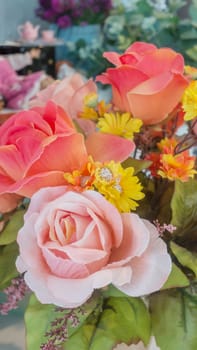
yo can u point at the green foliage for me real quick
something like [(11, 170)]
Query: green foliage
[(176, 279), (122, 320), (184, 212), (9, 248), (37, 319), (9, 233), (44, 314), (137, 164), (8, 255), (174, 319), (185, 257)]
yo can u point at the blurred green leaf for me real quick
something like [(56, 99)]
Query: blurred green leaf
[(184, 210), (185, 257), (10, 231), (8, 271), (174, 319), (192, 52), (176, 279), (137, 164)]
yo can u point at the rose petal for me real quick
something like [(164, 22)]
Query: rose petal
[(106, 147), (151, 269), (159, 95)]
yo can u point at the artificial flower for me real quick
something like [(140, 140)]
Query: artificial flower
[(72, 243), (30, 141), (179, 166), (96, 273), (189, 101), (70, 94), (147, 82), (118, 185), (121, 124)]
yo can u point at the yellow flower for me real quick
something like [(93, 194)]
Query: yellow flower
[(82, 179), (178, 166), (191, 71), (93, 109), (88, 113), (119, 124), (118, 185), (103, 108), (189, 101), (167, 145), (89, 110)]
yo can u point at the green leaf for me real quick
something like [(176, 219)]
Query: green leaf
[(176, 279), (174, 319), (111, 291), (185, 257), (37, 319), (43, 314), (9, 233), (184, 210), (122, 320), (192, 52), (137, 164), (8, 271)]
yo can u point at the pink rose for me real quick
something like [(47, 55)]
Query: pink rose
[(147, 81), (36, 148), (72, 243), (69, 93)]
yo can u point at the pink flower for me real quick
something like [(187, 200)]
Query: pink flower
[(147, 81), (36, 148), (68, 93), (72, 243)]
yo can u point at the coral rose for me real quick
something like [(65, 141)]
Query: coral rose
[(147, 81), (36, 148), (72, 243)]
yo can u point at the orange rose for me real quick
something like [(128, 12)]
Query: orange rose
[(147, 81)]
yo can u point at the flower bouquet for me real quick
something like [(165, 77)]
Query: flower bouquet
[(99, 207)]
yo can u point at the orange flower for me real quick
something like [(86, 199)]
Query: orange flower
[(167, 145), (180, 166), (154, 157), (82, 179), (146, 81)]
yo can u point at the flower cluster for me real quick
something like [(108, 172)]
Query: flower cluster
[(66, 13), (98, 205)]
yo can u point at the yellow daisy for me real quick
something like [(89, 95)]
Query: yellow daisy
[(118, 185), (119, 124), (189, 101)]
